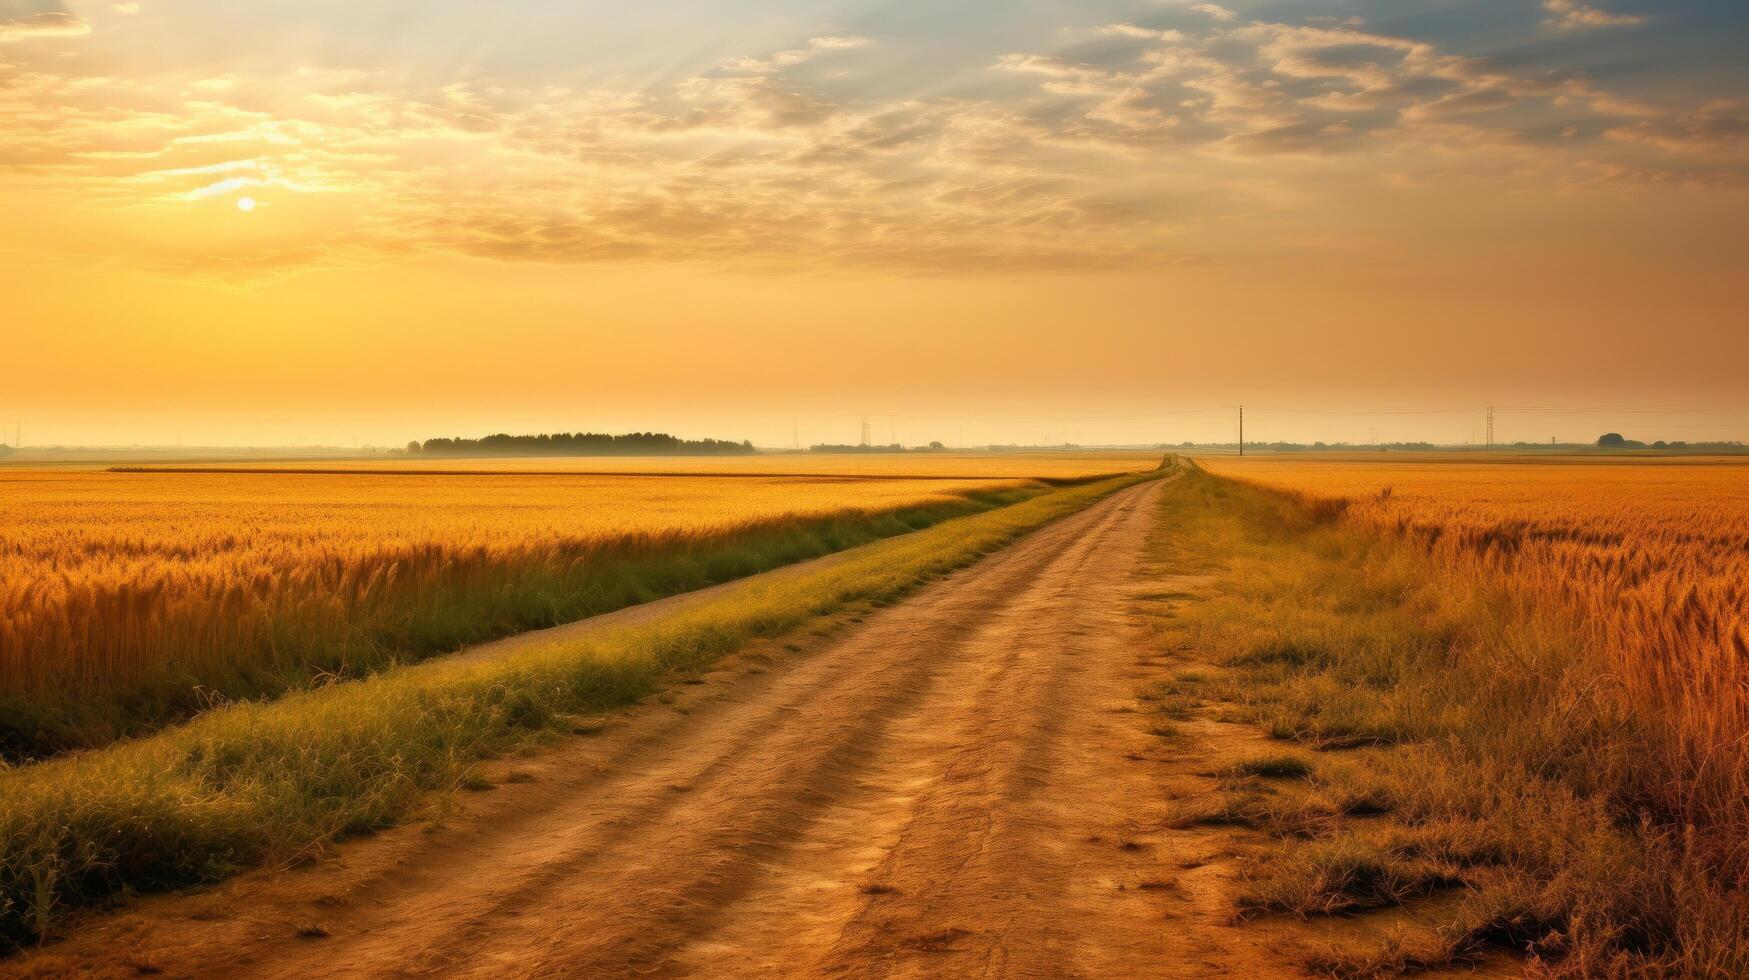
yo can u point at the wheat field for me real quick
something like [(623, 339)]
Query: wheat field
[(1650, 561), (1035, 465), (276, 781), (202, 584)]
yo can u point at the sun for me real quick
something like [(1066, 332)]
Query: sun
[(245, 204)]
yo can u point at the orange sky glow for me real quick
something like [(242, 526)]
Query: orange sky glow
[(253, 224)]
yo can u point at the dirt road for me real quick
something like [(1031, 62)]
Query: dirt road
[(957, 785)]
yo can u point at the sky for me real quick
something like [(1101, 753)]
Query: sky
[(299, 221)]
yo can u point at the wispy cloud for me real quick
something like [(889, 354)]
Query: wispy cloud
[(793, 56), (1139, 149), (22, 20), (1575, 14), (1718, 127), (1216, 11)]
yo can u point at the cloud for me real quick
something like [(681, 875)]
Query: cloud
[(791, 57), (1299, 138), (1470, 100), (26, 19), (1144, 33), (1212, 10), (1261, 88), (1138, 149), (1216, 11), (738, 169), (1714, 128), (1575, 15)]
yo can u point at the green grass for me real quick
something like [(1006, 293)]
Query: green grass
[(1487, 773), (470, 610), (252, 783)]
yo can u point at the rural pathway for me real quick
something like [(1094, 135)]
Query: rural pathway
[(956, 785)]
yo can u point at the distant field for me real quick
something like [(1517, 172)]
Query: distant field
[(1649, 563), (1034, 465), (129, 597)]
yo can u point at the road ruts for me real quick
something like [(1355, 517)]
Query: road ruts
[(954, 787)]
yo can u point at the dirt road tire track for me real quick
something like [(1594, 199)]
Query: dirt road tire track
[(953, 787)]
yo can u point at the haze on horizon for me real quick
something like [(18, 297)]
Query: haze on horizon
[(1004, 221)]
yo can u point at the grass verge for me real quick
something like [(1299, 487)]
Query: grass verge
[(1497, 774), (252, 783)]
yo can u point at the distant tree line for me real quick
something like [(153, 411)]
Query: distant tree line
[(581, 444), (1615, 440)]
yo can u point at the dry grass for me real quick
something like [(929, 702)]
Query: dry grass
[(1653, 563), (1517, 682), (133, 598)]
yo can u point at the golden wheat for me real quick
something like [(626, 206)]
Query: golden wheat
[(1052, 465), (110, 576), (1652, 561)]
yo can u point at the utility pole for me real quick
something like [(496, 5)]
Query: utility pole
[(1241, 430), (865, 436), (796, 434), (1490, 427)]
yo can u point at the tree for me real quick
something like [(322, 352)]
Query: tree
[(581, 444), (1611, 440), (937, 445)]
